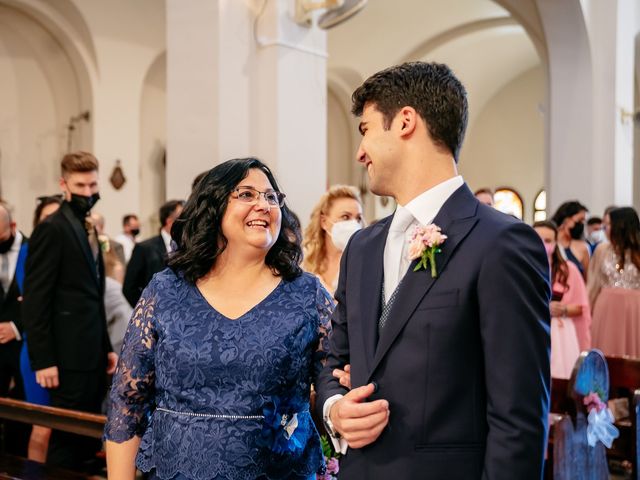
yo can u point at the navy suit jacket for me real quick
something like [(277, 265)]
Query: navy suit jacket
[(463, 358)]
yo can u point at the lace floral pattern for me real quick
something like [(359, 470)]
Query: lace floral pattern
[(181, 355)]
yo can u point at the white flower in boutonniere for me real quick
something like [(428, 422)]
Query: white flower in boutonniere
[(105, 245), (424, 244)]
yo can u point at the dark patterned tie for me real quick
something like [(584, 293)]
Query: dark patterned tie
[(386, 307), (92, 236)]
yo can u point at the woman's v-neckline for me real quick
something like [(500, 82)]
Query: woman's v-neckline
[(212, 307)]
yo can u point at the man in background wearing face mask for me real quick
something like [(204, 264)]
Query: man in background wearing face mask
[(130, 230), (63, 309), (595, 233)]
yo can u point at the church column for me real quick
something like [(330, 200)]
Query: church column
[(612, 31), (244, 79)]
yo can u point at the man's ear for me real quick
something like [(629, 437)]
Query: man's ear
[(408, 119)]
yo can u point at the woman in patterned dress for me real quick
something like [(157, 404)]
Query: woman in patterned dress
[(214, 377)]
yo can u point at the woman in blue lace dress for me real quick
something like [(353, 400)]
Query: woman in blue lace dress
[(214, 376)]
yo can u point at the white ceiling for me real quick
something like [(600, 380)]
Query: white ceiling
[(477, 38)]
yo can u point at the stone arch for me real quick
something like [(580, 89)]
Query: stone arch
[(47, 79), (153, 144), (559, 31)]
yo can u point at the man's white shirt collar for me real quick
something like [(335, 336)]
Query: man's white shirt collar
[(426, 206), (166, 238)]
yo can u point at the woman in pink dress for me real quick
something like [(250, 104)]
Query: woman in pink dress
[(570, 314), (614, 286)]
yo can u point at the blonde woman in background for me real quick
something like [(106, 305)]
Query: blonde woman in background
[(336, 217)]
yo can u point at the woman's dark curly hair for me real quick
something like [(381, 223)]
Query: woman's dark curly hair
[(198, 230)]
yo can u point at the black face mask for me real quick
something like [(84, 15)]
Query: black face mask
[(81, 204), (135, 232), (577, 231), (6, 245)]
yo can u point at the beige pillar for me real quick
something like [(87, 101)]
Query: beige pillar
[(243, 79)]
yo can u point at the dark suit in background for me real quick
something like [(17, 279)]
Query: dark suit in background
[(148, 258), (63, 312), (11, 311), (463, 358)]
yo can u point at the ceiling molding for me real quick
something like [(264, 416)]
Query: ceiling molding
[(429, 45)]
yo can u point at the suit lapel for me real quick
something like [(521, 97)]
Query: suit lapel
[(81, 235), (456, 218), (371, 284)]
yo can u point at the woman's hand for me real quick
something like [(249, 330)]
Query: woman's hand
[(344, 376), (557, 309)]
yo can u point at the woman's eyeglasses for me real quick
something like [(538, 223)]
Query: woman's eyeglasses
[(251, 196)]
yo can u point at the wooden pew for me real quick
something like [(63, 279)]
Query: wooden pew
[(624, 381), (81, 423)]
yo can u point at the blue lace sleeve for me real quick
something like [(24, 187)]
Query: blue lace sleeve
[(133, 388), (325, 306)]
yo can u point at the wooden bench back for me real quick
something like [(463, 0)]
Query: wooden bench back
[(624, 378), (572, 457)]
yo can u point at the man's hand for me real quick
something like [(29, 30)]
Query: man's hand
[(48, 377), (112, 361), (7, 333), (343, 376), (360, 423)]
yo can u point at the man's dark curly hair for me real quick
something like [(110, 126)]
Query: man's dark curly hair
[(430, 88), (198, 230)]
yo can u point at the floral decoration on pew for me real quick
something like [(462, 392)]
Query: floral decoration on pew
[(600, 421), (331, 458)]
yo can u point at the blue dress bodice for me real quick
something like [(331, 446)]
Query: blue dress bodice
[(215, 398)]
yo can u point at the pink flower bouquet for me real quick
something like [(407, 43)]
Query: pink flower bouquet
[(424, 244)]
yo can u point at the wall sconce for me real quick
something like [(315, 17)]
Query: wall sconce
[(338, 11), (626, 115), (71, 126)]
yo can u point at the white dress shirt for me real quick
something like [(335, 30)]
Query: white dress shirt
[(10, 259), (166, 238), (423, 209)]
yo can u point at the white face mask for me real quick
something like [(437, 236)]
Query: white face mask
[(597, 237), (341, 232)]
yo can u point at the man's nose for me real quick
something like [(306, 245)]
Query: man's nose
[(360, 154)]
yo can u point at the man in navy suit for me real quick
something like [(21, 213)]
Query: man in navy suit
[(449, 372)]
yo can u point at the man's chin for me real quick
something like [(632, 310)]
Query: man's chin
[(380, 192)]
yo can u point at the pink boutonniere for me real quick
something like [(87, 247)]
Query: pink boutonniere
[(424, 244)]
